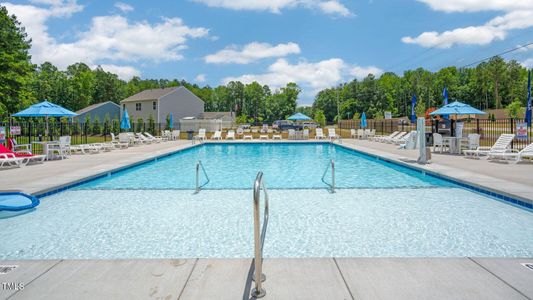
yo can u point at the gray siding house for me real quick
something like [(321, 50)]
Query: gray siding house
[(100, 110), (160, 102)]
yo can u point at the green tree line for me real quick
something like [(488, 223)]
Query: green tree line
[(492, 84)]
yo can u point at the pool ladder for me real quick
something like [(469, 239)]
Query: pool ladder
[(259, 237), (200, 166), (331, 185)]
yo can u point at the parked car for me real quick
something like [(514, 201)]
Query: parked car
[(282, 125), (308, 124)]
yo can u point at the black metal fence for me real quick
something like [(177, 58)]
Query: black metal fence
[(81, 133), (489, 130)]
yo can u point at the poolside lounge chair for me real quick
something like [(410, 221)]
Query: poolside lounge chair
[(319, 134), (360, 133), (86, 148), (395, 139), (276, 137), (142, 138), (201, 135), (292, 134), (248, 137), (501, 146), (264, 129), (8, 160), (379, 138), (402, 139), (13, 145), (514, 156), (134, 140), (353, 133), (409, 141), (332, 135), (369, 133), (166, 134), (27, 156), (263, 137), (175, 135), (306, 134), (230, 135), (240, 131), (471, 142), (157, 139), (117, 143), (217, 135)]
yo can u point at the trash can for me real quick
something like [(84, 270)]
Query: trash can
[(189, 134)]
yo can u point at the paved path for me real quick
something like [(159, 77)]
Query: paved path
[(510, 179), (318, 278)]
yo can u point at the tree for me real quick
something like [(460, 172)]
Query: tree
[(151, 124), (497, 70), (320, 118), (97, 129), (140, 124), (515, 109), (15, 65)]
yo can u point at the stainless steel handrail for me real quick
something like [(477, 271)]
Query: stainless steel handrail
[(199, 166), (331, 166), (259, 236)]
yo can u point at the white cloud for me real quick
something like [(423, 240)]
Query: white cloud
[(495, 29), (332, 7), (200, 78), (110, 38), (123, 72), (528, 63), (312, 77), (251, 52), (478, 5), (124, 7)]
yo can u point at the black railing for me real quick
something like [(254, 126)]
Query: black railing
[(489, 130)]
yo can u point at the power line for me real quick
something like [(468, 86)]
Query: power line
[(499, 54)]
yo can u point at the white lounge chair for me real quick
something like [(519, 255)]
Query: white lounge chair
[(217, 135), (8, 160), (142, 138), (410, 141), (201, 134), (353, 133), (157, 139), (263, 136), (319, 134), (379, 138), (117, 143), (501, 146), (306, 134), (471, 142), (62, 148), (276, 137), (514, 156), (134, 140), (292, 134), (395, 138), (332, 135), (360, 133), (124, 140), (402, 139), (248, 137), (230, 135)]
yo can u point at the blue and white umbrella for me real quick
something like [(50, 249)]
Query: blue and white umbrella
[(413, 104), (125, 122), (457, 108), (170, 121), (363, 120), (299, 117), (45, 109)]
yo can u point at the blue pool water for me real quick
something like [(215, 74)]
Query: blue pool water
[(288, 166), (383, 210)]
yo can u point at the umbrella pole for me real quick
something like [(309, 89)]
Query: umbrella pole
[(46, 128)]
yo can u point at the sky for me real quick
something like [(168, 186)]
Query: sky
[(314, 43)]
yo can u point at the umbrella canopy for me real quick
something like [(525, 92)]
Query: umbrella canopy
[(170, 121), (363, 120), (125, 123), (45, 109), (413, 104), (299, 117), (457, 108)]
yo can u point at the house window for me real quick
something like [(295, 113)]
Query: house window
[(137, 106), (154, 105)]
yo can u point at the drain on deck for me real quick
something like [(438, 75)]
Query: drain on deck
[(7, 269)]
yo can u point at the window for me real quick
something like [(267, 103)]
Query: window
[(154, 105), (137, 106)]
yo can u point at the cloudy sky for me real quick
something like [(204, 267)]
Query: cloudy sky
[(315, 43)]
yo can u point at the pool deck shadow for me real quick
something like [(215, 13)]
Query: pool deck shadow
[(299, 278)]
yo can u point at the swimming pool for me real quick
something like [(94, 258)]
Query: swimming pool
[(149, 211)]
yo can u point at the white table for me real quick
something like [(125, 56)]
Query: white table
[(46, 147)]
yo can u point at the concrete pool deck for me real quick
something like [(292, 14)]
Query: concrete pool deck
[(313, 278)]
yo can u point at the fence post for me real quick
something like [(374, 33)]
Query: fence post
[(477, 127), (512, 131)]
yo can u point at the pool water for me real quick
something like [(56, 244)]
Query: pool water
[(383, 210)]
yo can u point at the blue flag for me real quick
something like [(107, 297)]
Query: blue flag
[(528, 110), (413, 104), (445, 96)]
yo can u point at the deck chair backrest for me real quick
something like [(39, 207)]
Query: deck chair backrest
[(201, 132), (437, 138), (527, 150), (123, 137), (64, 140), (306, 131), (331, 132), (319, 132), (240, 130), (352, 131), (231, 134), (400, 135), (394, 134), (473, 140), (503, 142), (175, 133), (218, 134), (291, 131)]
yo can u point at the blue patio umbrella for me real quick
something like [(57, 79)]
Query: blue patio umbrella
[(125, 122), (413, 104), (299, 117), (528, 110), (45, 109), (363, 120), (170, 121), (457, 108)]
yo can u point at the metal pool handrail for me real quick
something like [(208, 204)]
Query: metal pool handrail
[(199, 166), (331, 166), (259, 236)]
